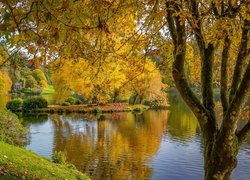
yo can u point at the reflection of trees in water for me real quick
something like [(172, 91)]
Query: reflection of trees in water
[(182, 124), (37, 119), (28, 120), (114, 148)]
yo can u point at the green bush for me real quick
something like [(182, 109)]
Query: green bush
[(11, 130), (15, 104), (43, 84), (138, 109), (71, 100), (58, 157), (78, 102), (34, 103), (30, 82), (97, 111), (65, 104), (39, 75)]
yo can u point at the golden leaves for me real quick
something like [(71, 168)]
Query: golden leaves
[(31, 49)]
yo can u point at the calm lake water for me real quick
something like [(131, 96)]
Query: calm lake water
[(156, 145)]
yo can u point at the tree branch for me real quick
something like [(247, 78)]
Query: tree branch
[(242, 134), (196, 25), (230, 120), (224, 74), (170, 20), (207, 77), (207, 56), (178, 70), (237, 76), (215, 10)]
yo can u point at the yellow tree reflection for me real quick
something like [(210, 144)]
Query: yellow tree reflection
[(117, 146)]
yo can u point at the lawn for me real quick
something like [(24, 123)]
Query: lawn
[(18, 163), (47, 93)]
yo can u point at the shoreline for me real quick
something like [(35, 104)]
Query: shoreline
[(96, 109)]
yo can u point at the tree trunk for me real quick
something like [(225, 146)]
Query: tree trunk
[(115, 98), (221, 145), (134, 100), (221, 159)]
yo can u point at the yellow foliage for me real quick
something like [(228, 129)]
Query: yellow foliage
[(7, 82), (43, 83), (5, 87), (100, 81)]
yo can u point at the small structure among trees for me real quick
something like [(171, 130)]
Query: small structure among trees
[(18, 86)]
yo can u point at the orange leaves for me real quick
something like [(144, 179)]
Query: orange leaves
[(31, 49)]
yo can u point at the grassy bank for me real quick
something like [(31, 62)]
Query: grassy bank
[(18, 163), (47, 93), (92, 108)]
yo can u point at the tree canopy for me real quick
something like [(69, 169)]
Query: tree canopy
[(209, 38)]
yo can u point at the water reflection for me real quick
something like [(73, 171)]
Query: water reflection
[(153, 145), (182, 123), (119, 146)]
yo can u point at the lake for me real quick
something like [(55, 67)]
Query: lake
[(164, 144)]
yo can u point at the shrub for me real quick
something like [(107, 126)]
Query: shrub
[(36, 91), (71, 100), (97, 111), (34, 103), (65, 104), (43, 83), (30, 82), (78, 102), (15, 104), (38, 74), (138, 109), (58, 157), (11, 130)]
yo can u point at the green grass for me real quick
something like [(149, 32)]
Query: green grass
[(18, 163), (47, 93)]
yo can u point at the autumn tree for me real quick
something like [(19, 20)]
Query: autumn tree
[(212, 23), (91, 30)]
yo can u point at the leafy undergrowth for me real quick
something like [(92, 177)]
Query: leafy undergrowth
[(11, 129), (18, 163)]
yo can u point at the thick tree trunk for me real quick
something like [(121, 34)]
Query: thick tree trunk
[(221, 145), (216, 169), (222, 159)]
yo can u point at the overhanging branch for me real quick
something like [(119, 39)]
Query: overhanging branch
[(242, 134)]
